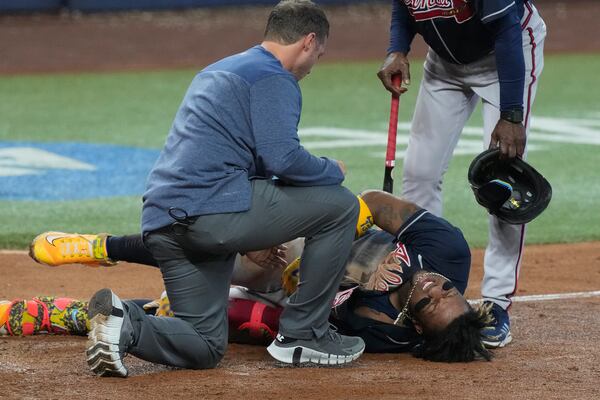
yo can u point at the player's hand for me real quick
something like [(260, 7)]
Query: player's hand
[(269, 258), (395, 64), (510, 137)]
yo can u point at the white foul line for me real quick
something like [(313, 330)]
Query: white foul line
[(546, 297), (557, 296), (23, 252)]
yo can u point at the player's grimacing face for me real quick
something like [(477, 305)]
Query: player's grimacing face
[(436, 303)]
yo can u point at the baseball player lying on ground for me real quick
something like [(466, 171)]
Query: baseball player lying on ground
[(403, 289)]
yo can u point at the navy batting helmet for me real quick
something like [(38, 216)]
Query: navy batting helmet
[(509, 188)]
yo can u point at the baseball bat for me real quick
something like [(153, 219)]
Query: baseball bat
[(390, 155)]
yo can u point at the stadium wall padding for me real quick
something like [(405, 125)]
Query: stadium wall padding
[(31, 5), (122, 5)]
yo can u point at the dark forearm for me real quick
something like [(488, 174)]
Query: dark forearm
[(389, 212)]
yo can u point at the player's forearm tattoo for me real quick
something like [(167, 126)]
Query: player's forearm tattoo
[(392, 216)]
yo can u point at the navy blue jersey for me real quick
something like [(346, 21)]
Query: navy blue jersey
[(380, 262), (460, 31)]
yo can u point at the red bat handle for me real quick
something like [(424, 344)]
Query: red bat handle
[(390, 155)]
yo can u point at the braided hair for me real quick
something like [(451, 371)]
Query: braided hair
[(460, 341)]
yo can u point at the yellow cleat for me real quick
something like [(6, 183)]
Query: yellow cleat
[(58, 248), (4, 310)]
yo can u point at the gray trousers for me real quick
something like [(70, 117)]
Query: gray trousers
[(197, 265)]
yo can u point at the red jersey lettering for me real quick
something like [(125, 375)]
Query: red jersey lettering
[(423, 10)]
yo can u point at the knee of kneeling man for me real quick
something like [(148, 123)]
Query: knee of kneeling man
[(348, 208), (209, 357), (350, 202)]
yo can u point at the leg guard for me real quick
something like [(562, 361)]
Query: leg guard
[(252, 322)]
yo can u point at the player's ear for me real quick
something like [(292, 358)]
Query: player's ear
[(418, 326), (309, 41)]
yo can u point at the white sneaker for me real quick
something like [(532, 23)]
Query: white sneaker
[(106, 314), (331, 349)]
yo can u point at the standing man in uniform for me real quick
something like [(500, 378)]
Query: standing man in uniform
[(233, 178), (482, 49)]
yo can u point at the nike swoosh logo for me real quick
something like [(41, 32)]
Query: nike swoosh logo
[(51, 238)]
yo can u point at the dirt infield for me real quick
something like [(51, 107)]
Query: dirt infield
[(191, 39), (554, 355)]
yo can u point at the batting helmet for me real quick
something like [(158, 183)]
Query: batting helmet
[(510, 189)]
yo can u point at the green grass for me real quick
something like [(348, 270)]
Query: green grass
[(124, 108), (119, 215), (136, 109)]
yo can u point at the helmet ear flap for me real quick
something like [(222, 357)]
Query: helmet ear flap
[(510, 189)]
